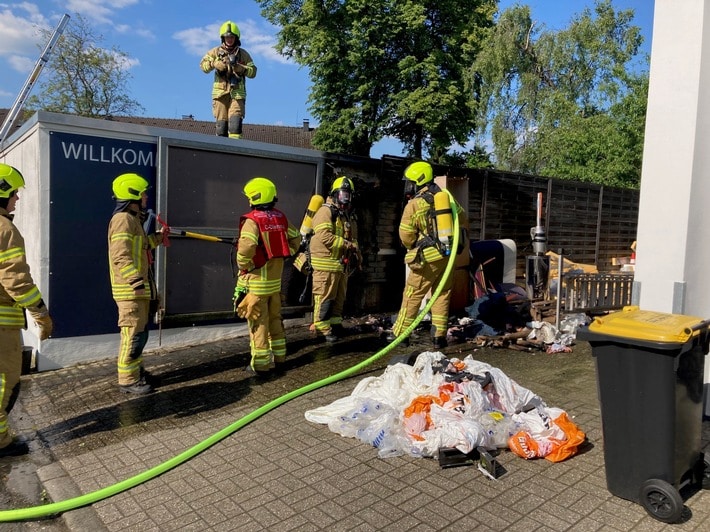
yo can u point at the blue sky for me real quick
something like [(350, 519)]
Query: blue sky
[(166, 40)]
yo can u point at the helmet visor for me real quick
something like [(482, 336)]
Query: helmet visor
[(410, 189), (343, 197)]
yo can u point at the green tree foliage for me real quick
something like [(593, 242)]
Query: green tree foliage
[(477, 157), (84, 79), (385, 68), (567, 104)]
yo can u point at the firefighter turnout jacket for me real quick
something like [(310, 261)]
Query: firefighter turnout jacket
[(17, 289), (417, 228), (265, 239), (233, 80), (130, 257), (335, 234)]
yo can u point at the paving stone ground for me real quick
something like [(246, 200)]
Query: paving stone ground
[(281, 473)]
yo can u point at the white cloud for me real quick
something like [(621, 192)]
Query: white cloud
[(127, 29), (21, 63), (100, 11), (20, 30), (255, 40), (197, 41), (126, 63)]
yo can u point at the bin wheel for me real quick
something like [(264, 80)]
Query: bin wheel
[(706, 475), (661, 500)]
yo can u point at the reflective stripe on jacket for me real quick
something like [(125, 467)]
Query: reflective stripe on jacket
[(415, 226), (221, 85), (17, 289), (329, 243), (129, 257)]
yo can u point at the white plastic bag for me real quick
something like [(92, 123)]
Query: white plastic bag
[(374, 423)]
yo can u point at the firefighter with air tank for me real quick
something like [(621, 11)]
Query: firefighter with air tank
[(333, 255), (425, 231)]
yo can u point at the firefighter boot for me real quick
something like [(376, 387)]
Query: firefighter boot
[(16, 448), (439, 342), (235, 127), (391, 337), (221, 127), (140, 387)]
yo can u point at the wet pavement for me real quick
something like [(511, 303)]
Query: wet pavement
[(281, 472)]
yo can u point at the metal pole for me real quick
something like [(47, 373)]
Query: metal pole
[(559, 288), (24, 93)]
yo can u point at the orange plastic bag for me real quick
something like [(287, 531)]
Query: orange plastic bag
[(523, 444), (562, 450), (553, 449)]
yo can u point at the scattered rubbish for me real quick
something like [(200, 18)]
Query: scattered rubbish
[(486, 463), (489, 466), (439, 404), (452, 457)]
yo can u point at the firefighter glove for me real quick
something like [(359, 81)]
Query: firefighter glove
[(240, 292), (249, 307), (163, 237), (43, 321)]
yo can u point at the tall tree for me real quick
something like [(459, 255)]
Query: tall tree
[(385, 67), (569, 103), (83, 78)]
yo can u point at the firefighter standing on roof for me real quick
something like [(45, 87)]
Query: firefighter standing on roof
[(333, 249), (265, 239), (424, 254), (18, 293), (232, 65), (132, 283)]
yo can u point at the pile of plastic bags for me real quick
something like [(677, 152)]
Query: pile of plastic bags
[(444, 403)]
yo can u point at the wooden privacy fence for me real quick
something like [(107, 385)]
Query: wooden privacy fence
[(592, 224)]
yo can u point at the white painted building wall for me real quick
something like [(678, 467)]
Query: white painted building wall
[(673, 246)]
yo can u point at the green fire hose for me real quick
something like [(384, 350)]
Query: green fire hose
[(55, 508)]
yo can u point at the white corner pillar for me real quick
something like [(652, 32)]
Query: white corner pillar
[(673, 242)]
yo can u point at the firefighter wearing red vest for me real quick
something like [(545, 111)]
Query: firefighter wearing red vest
[(425, 256), (232, 65), (334, 251), (265, 239), (18, 293), (132, 283)]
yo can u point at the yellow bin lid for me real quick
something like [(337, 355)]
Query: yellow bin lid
[(632, 322)]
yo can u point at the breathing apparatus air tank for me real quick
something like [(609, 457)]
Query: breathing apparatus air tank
[(444, 220), (307, 223)]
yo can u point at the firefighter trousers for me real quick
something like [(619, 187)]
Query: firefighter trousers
[(266, 333), (418, 285), (10, 369), (133, 322), (329, 289), (229, 114)]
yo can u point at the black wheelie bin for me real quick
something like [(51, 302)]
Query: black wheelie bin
[(650, 383)]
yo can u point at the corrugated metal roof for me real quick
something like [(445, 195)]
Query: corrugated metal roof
[(297, 137)]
